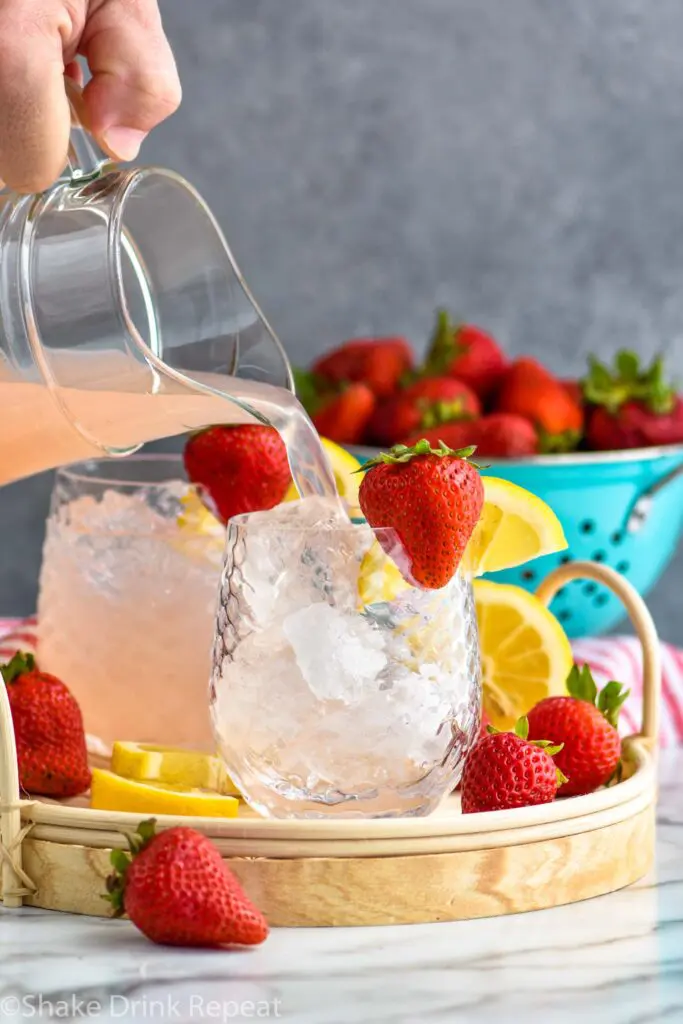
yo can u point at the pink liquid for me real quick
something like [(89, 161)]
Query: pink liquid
[(161, 681), (113, 412)]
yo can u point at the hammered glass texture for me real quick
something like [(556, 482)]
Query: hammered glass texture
[(321, 707)]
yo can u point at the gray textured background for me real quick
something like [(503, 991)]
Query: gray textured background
[(518, 160)]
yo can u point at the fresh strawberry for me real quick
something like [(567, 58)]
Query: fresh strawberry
[(430, 499), (238, 469), (586, 724), (48, 726), (378, 362), (529, 390), (176, 888), (631, 407), (506, 769), (424, 404), (344, 417), (465, 352), (500, 435), (574, 389), (634, 426)]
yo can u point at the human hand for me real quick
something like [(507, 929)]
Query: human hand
[(134, 84)]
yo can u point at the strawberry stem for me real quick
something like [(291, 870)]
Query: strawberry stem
[(435, 413), (521, 729), (582, 685), (18, 666), (400, 454), (557, 444), (443, 346), (115, 883), (626, 381)]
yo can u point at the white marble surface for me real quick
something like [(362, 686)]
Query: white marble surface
[(617, 959)]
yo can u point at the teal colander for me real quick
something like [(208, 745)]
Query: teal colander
[(624, 509)]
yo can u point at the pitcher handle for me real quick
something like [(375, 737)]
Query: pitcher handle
[(85, 159)]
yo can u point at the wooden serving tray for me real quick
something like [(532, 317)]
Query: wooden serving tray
[(447, 866)]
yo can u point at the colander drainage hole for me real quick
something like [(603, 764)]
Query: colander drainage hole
[(562, 592), (599, 556), (564, 616), (528, 575), (565, 560), (623, 567), (601, 600), (590, 588), (587, 526), (617, 538)]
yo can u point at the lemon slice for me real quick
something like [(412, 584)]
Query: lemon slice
[(515, 527), (344, 465), (200, 535), (379, 579), (169, 766), (110, 792), (525, 653)]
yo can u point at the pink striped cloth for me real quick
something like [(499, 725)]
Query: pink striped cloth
[(609, 658)]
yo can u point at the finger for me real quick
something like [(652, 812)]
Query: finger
[(135, 82), (34, 112), (74, 71)]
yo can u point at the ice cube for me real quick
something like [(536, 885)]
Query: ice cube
[(294, 555), (339, 654)]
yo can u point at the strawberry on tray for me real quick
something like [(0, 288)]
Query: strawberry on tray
[(48, 727)]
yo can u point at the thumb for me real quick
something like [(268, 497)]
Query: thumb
[(34, 111), (134, 84)]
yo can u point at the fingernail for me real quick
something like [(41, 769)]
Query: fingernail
[(124, 142)]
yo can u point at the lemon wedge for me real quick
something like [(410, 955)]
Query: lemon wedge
[(379, 579), (525, 653), (200, 535), (515, 526), (344, 465), (169, 766), (110, 792)]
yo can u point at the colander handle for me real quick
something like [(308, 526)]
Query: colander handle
[(642, 506), (642, 623)]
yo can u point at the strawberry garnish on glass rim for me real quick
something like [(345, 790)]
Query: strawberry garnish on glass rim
[(427, 499)]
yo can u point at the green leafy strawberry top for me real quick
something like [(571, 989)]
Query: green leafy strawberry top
[(18, 666), (443, 346), (310, 389), (582, 685), (521, 730), (434, 414), (121, 861), (627, 381), (401, 454)]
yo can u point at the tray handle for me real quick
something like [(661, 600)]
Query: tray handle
[(642, 623), (11, 881)]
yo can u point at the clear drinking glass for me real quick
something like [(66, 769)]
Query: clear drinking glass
[(127, 600), (337, 689)]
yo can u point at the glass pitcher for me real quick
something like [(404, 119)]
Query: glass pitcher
[(124, 318)]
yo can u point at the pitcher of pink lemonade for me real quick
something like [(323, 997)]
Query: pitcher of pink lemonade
[(124, 318)]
